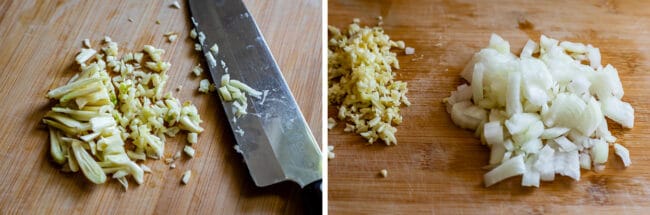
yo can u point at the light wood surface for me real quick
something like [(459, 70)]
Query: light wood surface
[(39, 40), (436, 168)]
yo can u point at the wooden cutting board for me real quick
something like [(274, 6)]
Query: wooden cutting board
[(39, 40), (436, 168)]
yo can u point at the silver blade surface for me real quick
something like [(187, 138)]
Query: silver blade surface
[(276, 143)]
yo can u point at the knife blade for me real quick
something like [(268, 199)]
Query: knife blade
[(273, 137)]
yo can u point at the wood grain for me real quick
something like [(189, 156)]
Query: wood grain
[(436, 168), (39, 40)]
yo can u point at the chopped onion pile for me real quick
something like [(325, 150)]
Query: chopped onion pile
[(543, 115), (360, 81), (103, 125)]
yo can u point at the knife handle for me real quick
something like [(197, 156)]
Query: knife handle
[(312, 196)]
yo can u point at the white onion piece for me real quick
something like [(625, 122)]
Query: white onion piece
[(590, 118), (573, 47), (585, 161), (493, 133), (531, 177), (623, 153), (520, 122), (565, 111), (565, 144), (606, 83), (497, 115), (619, 111), (599, 151), (532, 146), (554, 132), (499, 44), (537, 80), (534, 131), (593, 54), (477, 80), (530, 48), (513, 167), (567, 164), (497, 152), (603, 131), (466, 115), (545, 164), (513, 98)]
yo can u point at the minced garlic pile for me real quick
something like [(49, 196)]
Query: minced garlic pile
[(360, 81), (104, 125)]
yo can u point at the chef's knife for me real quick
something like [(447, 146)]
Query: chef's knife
[(273, 137)]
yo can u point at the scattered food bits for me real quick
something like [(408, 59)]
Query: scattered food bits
[(204, 86), (238, 150), (215, 50), (177, 155), (85, 55), (330, 152), (145, 168), (210, 58), (157, 22), (383, 173), (172, 166), (130, 20), (331, 123), (364, 91), (239, 131), (192, 138), (409, 51), (189, 151), (201, 38), (197, 70), (193, 33), (169, 160), (176, 5), (623, 153), (197, 47), (86, 43), (232, 90), (138, 57), (186, 177), (348, 127), (179, 88), (172, 38), (415, 59)]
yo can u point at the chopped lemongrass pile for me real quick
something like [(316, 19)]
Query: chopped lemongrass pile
[(361, 81), (114, 113), (543, 115)]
